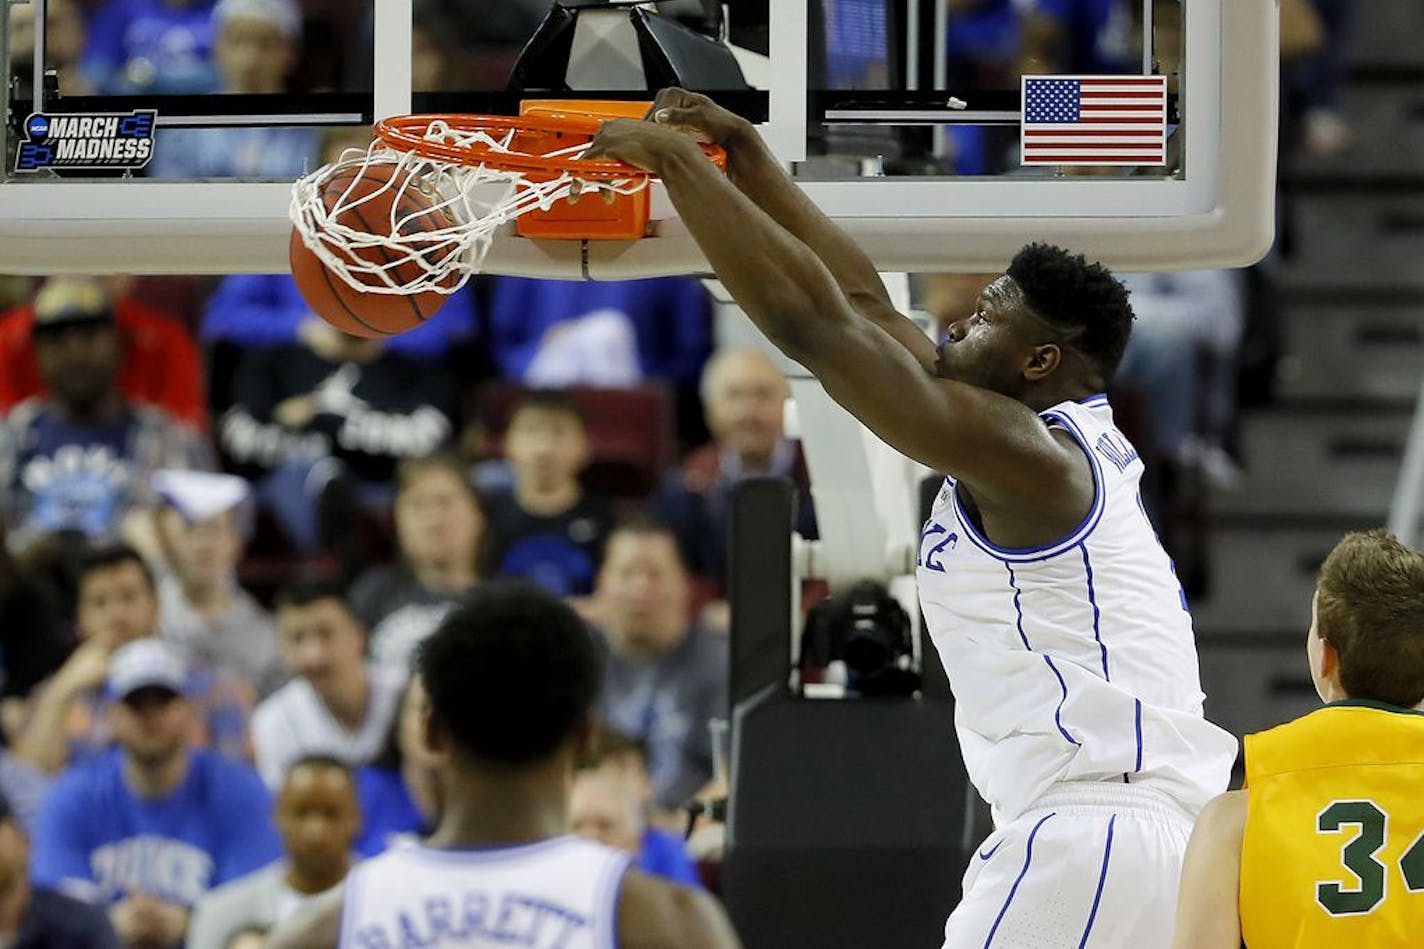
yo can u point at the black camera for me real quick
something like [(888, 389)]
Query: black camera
[(867, 629)]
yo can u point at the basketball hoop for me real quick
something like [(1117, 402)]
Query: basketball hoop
[(418, 209)]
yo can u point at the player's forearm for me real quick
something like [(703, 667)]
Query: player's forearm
[(776, 279), (753, 168)]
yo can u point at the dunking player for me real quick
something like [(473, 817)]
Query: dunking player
[(511, 676), (1054, 609), (1306, 854)]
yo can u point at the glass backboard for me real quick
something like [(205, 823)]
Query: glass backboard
[(900, 118)]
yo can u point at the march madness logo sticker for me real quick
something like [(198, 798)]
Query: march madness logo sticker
[(87, 142)]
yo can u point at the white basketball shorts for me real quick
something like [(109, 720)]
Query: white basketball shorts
[(1089, 865)]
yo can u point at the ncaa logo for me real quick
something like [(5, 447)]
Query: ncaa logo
[(37, 127)]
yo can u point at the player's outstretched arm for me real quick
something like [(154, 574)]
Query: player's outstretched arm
[(753, 168), (317, 925), (996, 445), (654, 914), (1208, 915)]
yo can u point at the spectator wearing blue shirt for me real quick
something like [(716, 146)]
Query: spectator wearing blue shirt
[(267, 310), (255, 50), (398, 790), (162, 46), (147, 829), (36, 917), (1080, 36)]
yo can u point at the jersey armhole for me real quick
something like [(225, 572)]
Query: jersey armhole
[(611, 898), (1054, 419)]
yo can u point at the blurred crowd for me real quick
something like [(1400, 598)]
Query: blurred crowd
[(227, 526)]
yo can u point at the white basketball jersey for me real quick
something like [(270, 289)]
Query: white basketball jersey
[(556, 894), (1074, 661)]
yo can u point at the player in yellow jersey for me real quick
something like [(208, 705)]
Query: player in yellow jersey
[(1325, 846)]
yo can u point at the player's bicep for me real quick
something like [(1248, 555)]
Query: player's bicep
[(1208, 914), (655, 914), (994, 444)]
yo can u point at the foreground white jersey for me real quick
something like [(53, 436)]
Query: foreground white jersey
[(555, 894), (1075, 661)]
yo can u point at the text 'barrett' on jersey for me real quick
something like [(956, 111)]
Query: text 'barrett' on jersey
[(560, 893)]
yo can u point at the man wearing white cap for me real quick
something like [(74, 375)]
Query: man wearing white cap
[(201, 607), (149, 827), (256, 49)]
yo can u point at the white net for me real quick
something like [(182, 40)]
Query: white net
[(391, 221)]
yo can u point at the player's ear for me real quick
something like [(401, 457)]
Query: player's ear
[(1042, 361)]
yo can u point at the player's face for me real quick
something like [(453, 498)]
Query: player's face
[(321, 642), (117, 605), (152, 724), (547, 446), (79, 364), (318, 817), (987, 348), (1315, 652), (437, 520)]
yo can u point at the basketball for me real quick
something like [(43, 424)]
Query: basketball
[(373, 199)]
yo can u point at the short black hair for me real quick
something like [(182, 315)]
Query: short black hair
[(106, 556), (1068, 291), (549, 400), (306, 590), (511, 673)]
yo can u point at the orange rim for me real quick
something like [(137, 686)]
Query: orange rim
[(406, 133)]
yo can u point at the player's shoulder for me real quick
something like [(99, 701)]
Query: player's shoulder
[(656, 914), (1224, 817)]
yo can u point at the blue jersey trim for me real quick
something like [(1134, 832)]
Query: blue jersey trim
[(1018, 610), (486, 854), (1102, 878), (1028, 858), (1058, 712), (1138, 716), (1095, 400), (1097, 614), (1047, 551)]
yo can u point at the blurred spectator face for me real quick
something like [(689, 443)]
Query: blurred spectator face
[(601, 808), (744, 395), (644, 590), (14, 874), (321, 642), (254, 55), (79, 363), (204, 554), (64, 34), (429, 61), (151, 724), (117, 604), (953, 297), (318, 818), (438, 520), (546, 447)]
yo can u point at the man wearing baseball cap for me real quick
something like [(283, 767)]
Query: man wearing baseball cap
[(149, 827)]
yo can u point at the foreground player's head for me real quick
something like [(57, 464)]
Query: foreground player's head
[(1053, 327), (1367, 622), (511, 676)]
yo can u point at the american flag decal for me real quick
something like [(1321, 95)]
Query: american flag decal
[(1094, 120)]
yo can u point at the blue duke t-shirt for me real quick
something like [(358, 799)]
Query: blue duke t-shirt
[(96, 839)]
